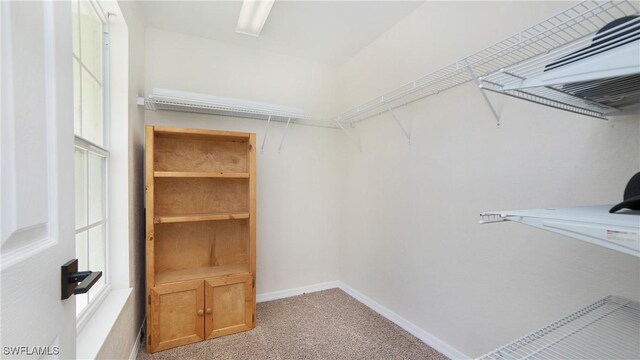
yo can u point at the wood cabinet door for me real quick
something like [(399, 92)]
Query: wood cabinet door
[(229, 305), (177, 315)]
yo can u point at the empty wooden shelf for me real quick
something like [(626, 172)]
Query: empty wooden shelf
[(199, 217), (200, 273), (203, 174), (200, 243)]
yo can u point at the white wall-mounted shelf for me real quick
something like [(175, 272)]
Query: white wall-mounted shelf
[(495, 69), (577, 66), (568, 30), (174, 100), (593, 224), (608, 329)]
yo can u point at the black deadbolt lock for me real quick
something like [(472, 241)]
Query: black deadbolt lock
[(71, 277)]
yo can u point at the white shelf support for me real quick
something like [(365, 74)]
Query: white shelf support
[(491, 218), (354, 139), (484, 94), (266, 133), (592, 224), (407, 133), (283, 135)]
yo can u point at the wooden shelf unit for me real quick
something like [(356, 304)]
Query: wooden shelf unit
[(201, 237)]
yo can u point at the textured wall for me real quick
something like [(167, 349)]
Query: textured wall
[(410, 238), (182, 62)]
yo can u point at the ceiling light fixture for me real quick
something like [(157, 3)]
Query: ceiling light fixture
[(253, 15)]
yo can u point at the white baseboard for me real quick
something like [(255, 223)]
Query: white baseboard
[(275, 295), (136, 344), (411, 328)]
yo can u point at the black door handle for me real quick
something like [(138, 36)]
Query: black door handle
[(71, 277)]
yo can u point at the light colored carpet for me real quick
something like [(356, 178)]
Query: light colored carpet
[(323, 325)]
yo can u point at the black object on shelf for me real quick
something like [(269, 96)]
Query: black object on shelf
[(631, 195), (619, 92), (604, 40)]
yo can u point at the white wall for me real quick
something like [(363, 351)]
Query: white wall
[(296, 189), (410, 237), (182, 62)]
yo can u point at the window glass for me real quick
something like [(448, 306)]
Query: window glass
[(96, 193), (91, 154), (97, 257), (80, 160), (91, 39), (92, 114), (77, 109)]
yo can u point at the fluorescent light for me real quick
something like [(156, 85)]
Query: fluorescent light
[(253, 15)]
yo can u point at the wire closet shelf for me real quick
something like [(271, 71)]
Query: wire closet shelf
[(608, 329), (523, 54), (497, 68), (569, 42), (171, 100)]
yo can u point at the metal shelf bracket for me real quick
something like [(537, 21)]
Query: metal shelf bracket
[(484, 94), (283, 135), (407, 133), (266, 132), (354, 139)]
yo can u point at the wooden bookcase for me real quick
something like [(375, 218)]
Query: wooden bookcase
[(201, 234)]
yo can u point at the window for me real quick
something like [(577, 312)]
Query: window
[(92, 148)]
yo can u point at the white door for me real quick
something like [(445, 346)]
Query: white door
[(37, 191)]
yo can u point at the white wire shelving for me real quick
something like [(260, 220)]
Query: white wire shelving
[(500, 68), (549, 39), (594, 224), (565, 65), (607, 329), (182, 101), (173, 100)]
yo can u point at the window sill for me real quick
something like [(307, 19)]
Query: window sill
[(91, 338), (86, 314)]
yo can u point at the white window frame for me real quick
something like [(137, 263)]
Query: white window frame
[(102, 151)]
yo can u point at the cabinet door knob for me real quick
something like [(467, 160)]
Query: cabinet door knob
[(200, 312), (209, 311)]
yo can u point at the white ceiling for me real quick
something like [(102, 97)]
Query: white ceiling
[(329, 32)]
